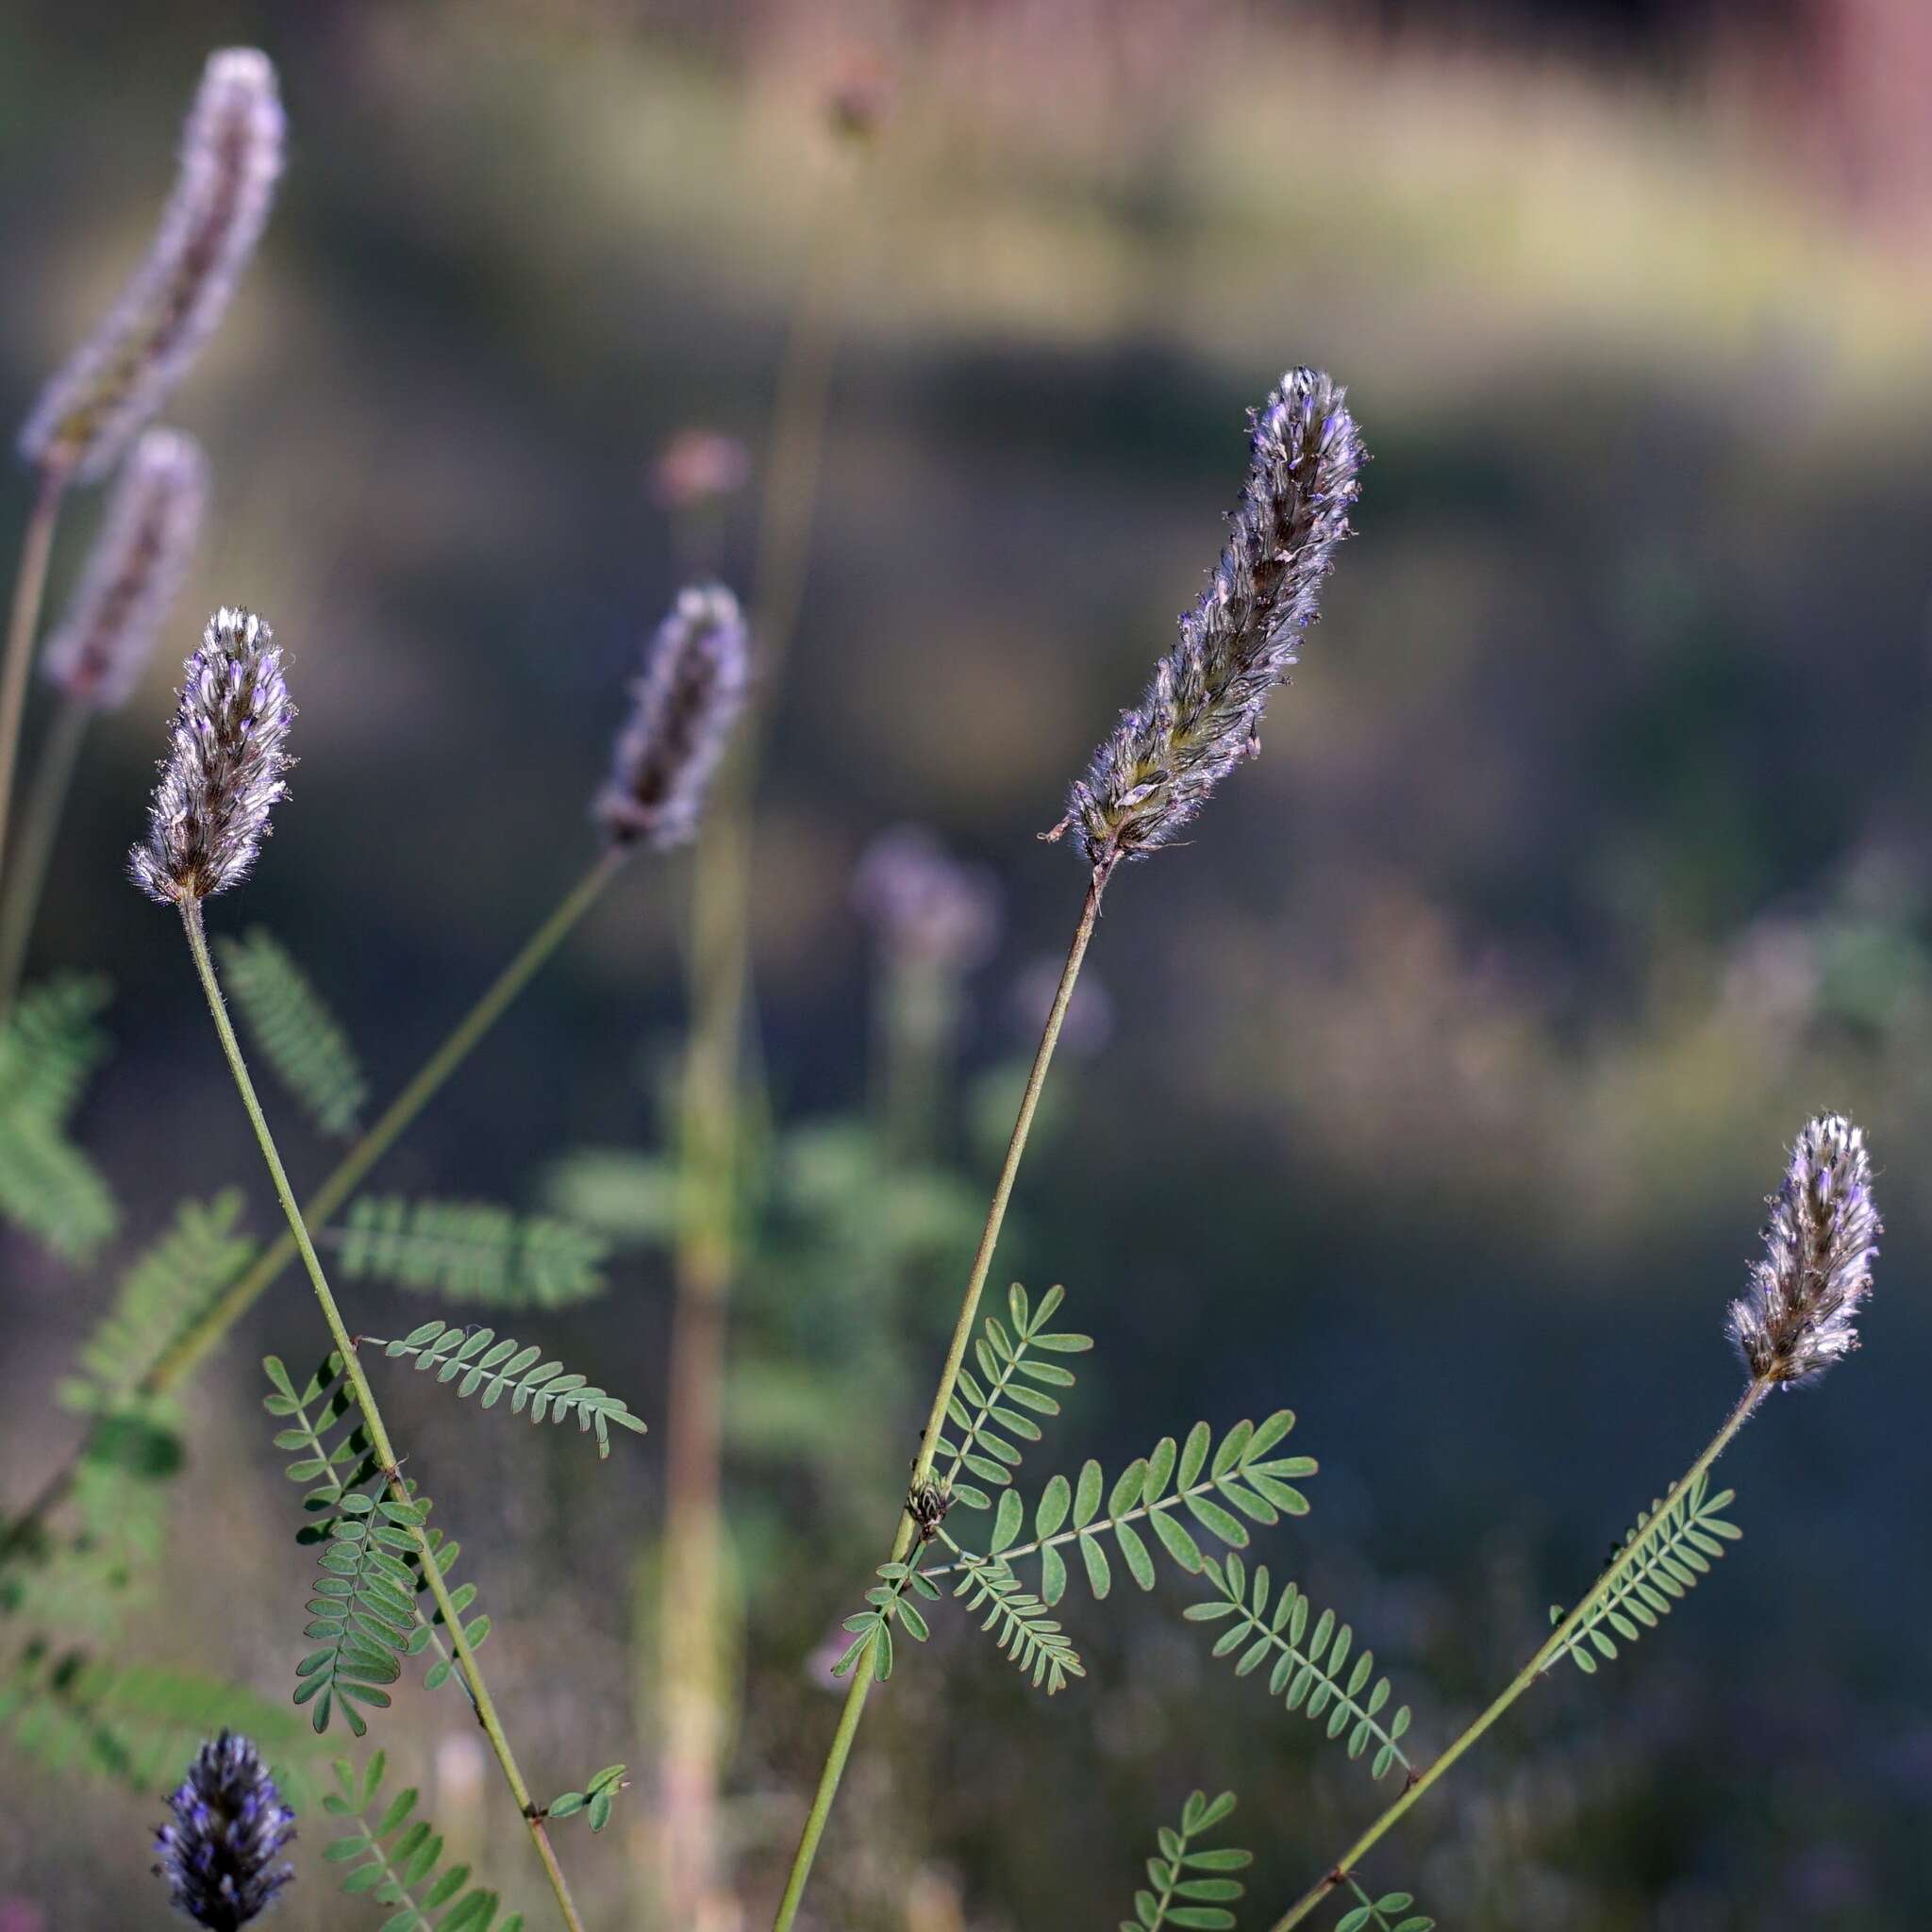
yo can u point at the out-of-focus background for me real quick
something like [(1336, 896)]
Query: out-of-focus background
[(1433, 1090)]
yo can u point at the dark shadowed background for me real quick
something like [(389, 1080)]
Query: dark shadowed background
[(1450, 1063)]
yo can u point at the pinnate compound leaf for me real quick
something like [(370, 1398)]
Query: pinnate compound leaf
[(370, 1604), (165, 1291), (1315, 1671), (1660, 1562), (472, 1251), (290, 1025), (1175, 1490), (1390, 1913), (49, 1045), (478, 1363), (1188, 1886), (595, 1800), (396, 1858)]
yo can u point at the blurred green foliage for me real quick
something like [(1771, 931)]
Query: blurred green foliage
[(1589, 857)]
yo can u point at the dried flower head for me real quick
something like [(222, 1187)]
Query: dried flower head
[(225, 764), (924, 904), (694, 685), (133, 573), (1201, 716), (1798, 1317), (698, 468), (231, 153), (859, 100), (222, 1852)]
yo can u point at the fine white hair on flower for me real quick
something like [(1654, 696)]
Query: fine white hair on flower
[(1799, 1315), (1201, 716), (121, 375), (225, 765), (133, 573), (694, 685)]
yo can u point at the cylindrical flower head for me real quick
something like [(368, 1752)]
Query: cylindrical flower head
[(224, 767), (231, 153), (134, 572), (222, 1852), (1201, 716), (1798, 1317), (692, 691)]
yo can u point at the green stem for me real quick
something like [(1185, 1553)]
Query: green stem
[(794, 461), (691, 1713), (319, 1450), (39, 822), (1362, 1898), (942, 1396), (365, 1399), (918, 1005), (705, 1262), (1173, 1874), (405, 1892), (1339, 1874), (29, 588), (184, 1353), (1166, 1898), (188, 1349), (1357, 1712)]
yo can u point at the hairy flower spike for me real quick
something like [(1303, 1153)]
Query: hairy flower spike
[(225, 767), (1201, 716), (231, 153), (694, 685), (134, 572), (222, 1853), (1798, 1317)]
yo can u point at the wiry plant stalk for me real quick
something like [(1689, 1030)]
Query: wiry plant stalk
[(187, 1350), (693, 1719), (862, 1671), (40, 825), (224, 774), (1796, 1320), (1551, 1650), (1200, 718), (95, 656), (693, 1716), (694, 686), (29, 590), (379, 1444)]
